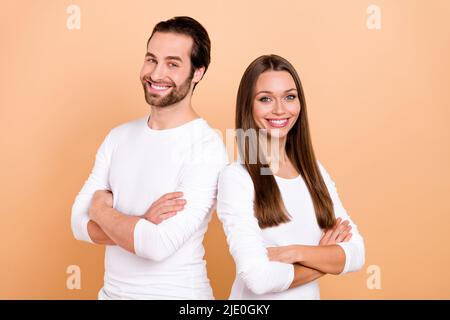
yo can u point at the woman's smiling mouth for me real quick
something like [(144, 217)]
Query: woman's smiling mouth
[(278, 123)]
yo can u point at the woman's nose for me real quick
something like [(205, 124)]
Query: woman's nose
[(279, 107)]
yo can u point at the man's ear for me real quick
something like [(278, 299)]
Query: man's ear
[(198, 74)]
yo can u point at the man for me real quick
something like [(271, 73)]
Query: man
[(150, 194)]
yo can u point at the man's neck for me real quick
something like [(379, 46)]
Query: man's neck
[(171, 116)]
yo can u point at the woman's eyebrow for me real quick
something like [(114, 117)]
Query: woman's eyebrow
[(270, 92)]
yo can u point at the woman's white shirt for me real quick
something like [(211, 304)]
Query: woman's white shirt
[(256, 276)]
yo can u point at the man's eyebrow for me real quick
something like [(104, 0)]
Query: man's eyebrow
[(270, 92), (177, 58), (174, 58)]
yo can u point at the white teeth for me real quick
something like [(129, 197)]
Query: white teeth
[(278, 121), (158, 87)]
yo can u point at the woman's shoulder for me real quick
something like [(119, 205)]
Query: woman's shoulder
[(236, 168), (235, 186), (324, 172), (235, 172)]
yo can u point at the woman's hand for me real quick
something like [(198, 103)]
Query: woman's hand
[(339, 233), (293, 253), (286, 254), (165, 207)]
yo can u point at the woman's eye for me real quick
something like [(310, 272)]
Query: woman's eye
[(173, 65), (264, 99), (290, 97), (151, 60)]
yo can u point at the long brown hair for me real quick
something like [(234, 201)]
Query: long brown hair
[(268, 205)]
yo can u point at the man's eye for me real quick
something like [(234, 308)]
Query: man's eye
[(290, 97), (264, 99)]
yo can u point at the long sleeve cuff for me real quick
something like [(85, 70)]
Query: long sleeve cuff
[(147, 242), (138, 238), (272, 277), (289, 277), (354, 257), (80, 231)]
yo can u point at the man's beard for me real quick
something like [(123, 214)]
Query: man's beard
[(176, 94)]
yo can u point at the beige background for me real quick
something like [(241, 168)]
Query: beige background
[(378, 103)]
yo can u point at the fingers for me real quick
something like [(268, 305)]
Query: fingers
[(165, 216), (336, 225), (163, 202), (338, 221), (338, 229), (328, 232), (347, 238), (177, 202), (168, 196), (339, 233), (103, 191), (97, 194), (164, 209), (102, 196), (344, 234), (326, 237)]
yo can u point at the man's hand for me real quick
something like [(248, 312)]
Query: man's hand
[(165, 207), (102, 199), (339, 233)]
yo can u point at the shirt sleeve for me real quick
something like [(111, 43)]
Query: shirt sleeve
[(198, 183), (354, 249), (244, 236), (97, 180)]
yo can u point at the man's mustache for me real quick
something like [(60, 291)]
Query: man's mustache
[(149, 79)]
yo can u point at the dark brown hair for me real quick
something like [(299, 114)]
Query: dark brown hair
[(268, 205), (201, 48)]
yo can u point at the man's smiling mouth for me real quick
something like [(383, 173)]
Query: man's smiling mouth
[(158, 87)]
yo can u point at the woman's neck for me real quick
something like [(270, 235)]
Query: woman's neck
[(277, 152)]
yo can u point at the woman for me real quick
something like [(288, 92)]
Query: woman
[(280, 210)]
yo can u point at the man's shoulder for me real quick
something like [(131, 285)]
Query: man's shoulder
[(204, 134), (203, 142), (129, 126)]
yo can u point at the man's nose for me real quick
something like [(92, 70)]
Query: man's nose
[(158, 72)]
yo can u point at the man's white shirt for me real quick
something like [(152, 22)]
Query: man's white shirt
[(139, 165)]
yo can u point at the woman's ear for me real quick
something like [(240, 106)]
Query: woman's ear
[(198, 74)]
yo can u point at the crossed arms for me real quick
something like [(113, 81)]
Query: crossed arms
[(313, 262), (276, 269), (111, 227), (151, 235)]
